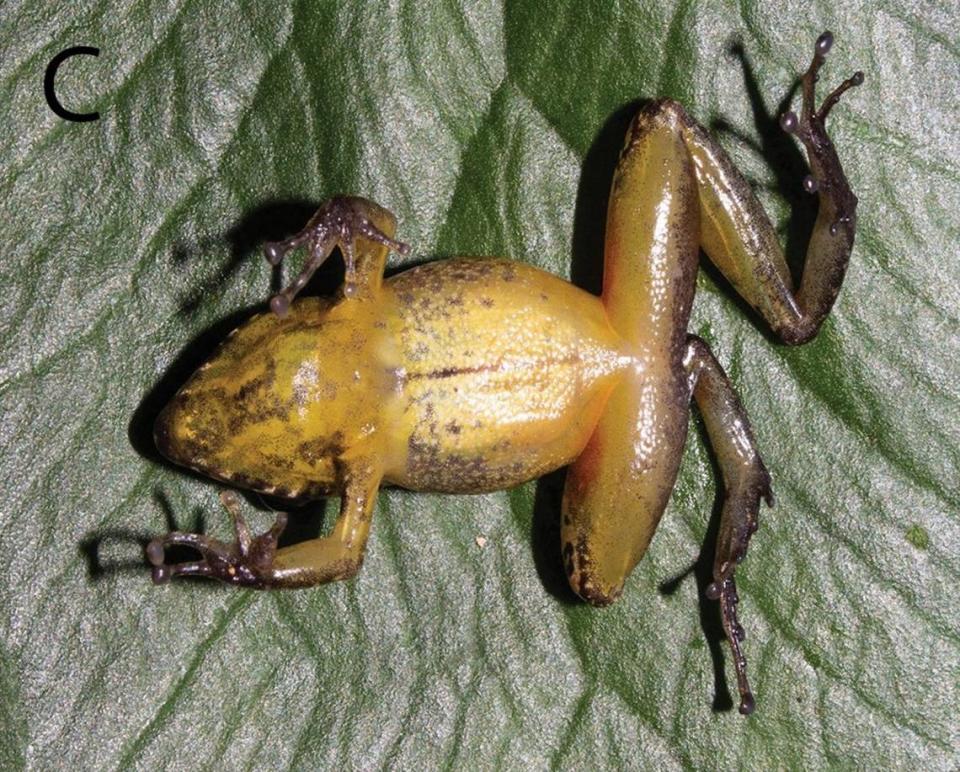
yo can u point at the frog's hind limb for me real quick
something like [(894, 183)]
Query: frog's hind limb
[(258, 563), (675, 190), (738, 237), (745, 482), (364, 232)]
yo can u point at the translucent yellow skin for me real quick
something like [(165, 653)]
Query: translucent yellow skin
[(471, 375)]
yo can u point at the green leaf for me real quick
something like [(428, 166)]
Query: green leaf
[(130, 247)]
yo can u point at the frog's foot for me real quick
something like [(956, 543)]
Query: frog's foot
[(248, 562), (740, 521), (726, 592), (811, 130), (342, 220)]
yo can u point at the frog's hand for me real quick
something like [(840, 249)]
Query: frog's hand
[(738, 237), (364, 232), (745, 482), (245, 563), (256, 562)]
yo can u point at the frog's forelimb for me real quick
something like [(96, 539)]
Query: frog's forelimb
[(354, 224), (256, 562)]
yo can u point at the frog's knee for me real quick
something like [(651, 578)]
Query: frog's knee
[(587, 581), (658, 113)]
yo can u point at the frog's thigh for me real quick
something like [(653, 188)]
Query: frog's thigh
[(618, 487)]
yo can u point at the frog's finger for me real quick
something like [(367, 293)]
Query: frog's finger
[(319, 252), (275, 251), (232, 504), (371, 232), (196, 541), (164, 573)]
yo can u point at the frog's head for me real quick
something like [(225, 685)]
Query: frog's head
[(272, 410)]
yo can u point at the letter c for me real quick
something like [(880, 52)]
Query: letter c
[(51, 74)]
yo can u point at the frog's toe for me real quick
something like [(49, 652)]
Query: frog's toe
[(811, 119), (725, 590), (821, 49)]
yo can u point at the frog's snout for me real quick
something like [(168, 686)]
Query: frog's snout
[(168, 432)]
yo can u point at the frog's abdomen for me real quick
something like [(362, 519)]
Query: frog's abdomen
[(506, 371)]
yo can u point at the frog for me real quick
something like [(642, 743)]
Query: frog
[(468, 375)]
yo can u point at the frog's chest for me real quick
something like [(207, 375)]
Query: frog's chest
[(505, 371)]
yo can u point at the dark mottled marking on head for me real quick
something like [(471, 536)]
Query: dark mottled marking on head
[(263, 382), (453, 427), (256, 412), (486, 302)]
